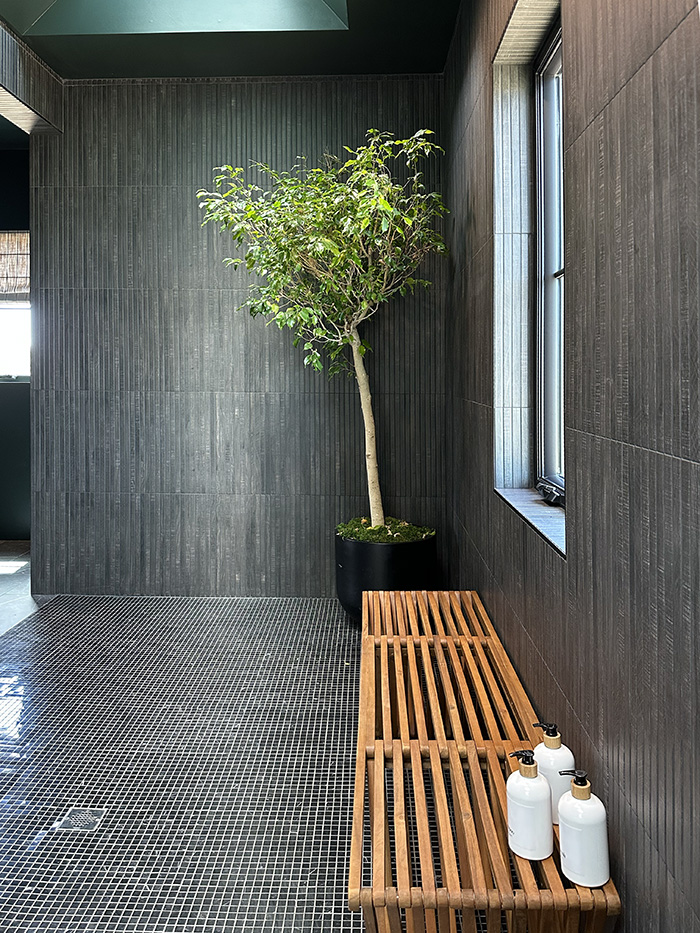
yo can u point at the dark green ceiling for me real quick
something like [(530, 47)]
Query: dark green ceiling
[(190, 38)]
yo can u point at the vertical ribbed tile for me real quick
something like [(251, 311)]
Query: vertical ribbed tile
[(605, 640), (169, 427)]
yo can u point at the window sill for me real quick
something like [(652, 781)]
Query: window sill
[(548, 520)]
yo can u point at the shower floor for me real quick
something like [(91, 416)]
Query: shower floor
[(211, 742)]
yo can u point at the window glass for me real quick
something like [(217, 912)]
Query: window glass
[(550, 280), (15, 338), (15, 315)]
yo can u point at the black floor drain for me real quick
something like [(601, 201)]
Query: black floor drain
[(81, 819)]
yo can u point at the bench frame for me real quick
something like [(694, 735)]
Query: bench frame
[(441, 709)]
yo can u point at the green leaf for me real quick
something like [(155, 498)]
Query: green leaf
[(329, 245)]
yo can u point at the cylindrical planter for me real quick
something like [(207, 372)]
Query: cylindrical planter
[(368, 565)]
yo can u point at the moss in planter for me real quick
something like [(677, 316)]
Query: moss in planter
[(393, 532)]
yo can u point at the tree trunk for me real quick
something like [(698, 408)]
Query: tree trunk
[(375, 496)]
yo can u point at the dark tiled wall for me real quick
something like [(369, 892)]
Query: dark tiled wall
[(181, 447), (607, 639)]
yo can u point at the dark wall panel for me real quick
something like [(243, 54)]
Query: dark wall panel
[(14, 189), (182, 447), (606, 639), (14, 463)]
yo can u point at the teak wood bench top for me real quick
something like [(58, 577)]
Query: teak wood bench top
[(441, 708)]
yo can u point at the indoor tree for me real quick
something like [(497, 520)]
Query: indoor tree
[(329, 247)]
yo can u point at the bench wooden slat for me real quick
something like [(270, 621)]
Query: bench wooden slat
[(512, 688), (403, 859), (475, 608), (412, 613), (497, 860), (440, 625), (378, 614), (467, 841), (451, 707), (463, 603), (448, 860), (399, 615), (498, 702), (388, 607), (424, 615), (386, 697), (467, 704), (417, 697), (425, 854), (379, 840), (472, 669), (401, 699), (461, 623), (433, 700), (366, 705)]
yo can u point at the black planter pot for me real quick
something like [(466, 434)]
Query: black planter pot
[(366, 565)]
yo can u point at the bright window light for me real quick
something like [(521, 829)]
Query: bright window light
[(15, 338)]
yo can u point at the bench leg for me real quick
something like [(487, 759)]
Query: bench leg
[(572, 922), (447, 920), (493, 920), (415, 920), (597, 919), (369, 918), (393, 916), (516, 921)]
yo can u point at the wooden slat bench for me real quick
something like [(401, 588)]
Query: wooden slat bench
[(476, 686), (441, 708)]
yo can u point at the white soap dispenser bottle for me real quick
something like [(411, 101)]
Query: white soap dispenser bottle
[(529, 797), (552, 758), (583, 834)]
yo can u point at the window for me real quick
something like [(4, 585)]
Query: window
[(15, 314), (527, 332), (549, 369), (15, 330)]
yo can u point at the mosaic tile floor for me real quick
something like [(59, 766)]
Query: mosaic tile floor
[(216, 735)]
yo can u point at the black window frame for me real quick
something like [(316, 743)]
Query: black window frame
[(549, 329)]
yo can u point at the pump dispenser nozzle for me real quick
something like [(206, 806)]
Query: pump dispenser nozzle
[(580, 786), (552, 737), (526, 760), (526, 755)]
